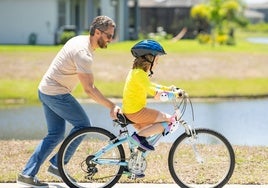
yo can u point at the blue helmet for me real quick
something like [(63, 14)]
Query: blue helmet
[(147, 47)]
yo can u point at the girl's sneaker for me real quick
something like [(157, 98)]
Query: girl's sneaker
[(173, 125), (142, 142)]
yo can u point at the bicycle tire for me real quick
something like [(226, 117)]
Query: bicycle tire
[(214, 165), (76, 172)]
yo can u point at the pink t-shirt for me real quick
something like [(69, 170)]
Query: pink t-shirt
[(76, 56)]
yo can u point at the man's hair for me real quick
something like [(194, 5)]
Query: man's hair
[(102, 23)]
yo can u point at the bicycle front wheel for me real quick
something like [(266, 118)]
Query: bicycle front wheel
[(207, 160), (76, 165)]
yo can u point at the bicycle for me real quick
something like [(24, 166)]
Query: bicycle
[(198, 156)]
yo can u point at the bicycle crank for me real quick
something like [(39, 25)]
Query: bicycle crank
[(137, 164)]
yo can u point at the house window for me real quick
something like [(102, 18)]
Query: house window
[(61, 12)]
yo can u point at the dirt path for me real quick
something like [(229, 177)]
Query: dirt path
[(113, 66)]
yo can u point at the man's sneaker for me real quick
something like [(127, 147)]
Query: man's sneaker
[(54, 171), (30, 181), (142, 142)]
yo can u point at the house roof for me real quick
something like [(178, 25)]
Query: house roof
[(258, 5), (166, 3)]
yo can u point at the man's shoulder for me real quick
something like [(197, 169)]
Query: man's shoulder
[(79, 38), (77, 43)]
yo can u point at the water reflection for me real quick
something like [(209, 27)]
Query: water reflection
[(243, 122)]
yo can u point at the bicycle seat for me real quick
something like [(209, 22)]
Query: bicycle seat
[(122, 120)]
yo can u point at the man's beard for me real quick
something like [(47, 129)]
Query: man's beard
[(102, 43)]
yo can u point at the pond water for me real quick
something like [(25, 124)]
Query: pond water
[(261, 40), (242, 122)]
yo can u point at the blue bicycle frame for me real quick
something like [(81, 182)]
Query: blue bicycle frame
[(116, 142)]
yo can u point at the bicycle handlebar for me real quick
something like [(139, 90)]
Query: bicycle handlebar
[(180, 92)]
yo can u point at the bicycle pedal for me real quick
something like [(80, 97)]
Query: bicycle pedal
[(132, 176), (135, 176)]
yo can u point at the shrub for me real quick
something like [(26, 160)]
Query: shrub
[(203, 38), (260, 27), (221, 39), (66, 35), (230, 41)]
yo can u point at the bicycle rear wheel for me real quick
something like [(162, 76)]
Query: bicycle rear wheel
[(205, 161), (79, 171)]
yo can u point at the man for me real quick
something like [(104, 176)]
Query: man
[(73, 64)]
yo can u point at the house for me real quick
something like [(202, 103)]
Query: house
[(170, 15), (260, 11), (42, 21), (39, 21), (254, 16)]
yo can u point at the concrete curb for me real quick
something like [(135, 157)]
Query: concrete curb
[(129, 185)]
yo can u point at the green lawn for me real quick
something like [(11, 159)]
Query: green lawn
[(24, 88)]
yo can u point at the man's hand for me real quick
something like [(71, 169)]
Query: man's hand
[(114, 111)]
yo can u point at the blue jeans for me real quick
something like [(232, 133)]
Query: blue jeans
[(58, 109)]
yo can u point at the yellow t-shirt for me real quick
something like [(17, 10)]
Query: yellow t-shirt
[(137, 87)]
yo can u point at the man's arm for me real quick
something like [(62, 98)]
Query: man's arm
[(87, 81)]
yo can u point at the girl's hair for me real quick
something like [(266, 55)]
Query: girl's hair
[(143, 62)]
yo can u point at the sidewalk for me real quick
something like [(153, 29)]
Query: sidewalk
[(130, 185)]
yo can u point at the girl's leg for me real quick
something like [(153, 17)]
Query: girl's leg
[(156, 128), (149, 121)]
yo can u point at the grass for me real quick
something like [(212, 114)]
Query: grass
[(222, 87), (17, 90), (202, 70), (25, 91), (217, 87), (251, 163), (28, 48)]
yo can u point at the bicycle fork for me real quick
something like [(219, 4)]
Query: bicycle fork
[(192, 137)]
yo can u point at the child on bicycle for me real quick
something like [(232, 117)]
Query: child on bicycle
[(146, 121)]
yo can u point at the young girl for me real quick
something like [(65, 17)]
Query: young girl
[(146, 121)]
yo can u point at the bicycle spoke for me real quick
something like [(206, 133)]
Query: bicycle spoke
[(204, 160), (81, 168)]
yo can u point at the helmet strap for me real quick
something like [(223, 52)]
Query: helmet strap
[(152, 64), (151, 72)]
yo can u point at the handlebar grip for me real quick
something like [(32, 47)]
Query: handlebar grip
[(179, 92)]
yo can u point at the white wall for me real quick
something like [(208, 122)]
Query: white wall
[(20, 18)]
